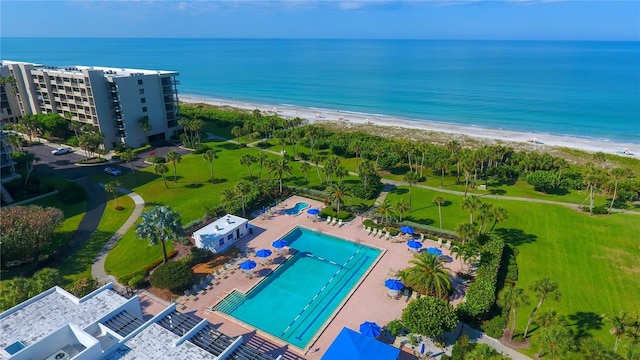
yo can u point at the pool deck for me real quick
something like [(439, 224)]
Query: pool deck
[(368, 302)]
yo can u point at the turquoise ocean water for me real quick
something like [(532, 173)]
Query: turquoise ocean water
[(583, 89)]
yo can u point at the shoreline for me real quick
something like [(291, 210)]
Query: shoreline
[(530, 140)]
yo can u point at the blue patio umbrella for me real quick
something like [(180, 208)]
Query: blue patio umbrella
[(434, 251), (279, 244), (313, 211), (248, 265), (370, 329), (393, 284), (414, 244), (407, 229), (263, 253)]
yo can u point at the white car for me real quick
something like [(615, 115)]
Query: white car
[(61, 151), (112, 171)]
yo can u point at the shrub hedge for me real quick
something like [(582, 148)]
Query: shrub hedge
[(142, 149), (481, 294), (175, 276)]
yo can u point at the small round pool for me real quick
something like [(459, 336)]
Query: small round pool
[(297, 208)]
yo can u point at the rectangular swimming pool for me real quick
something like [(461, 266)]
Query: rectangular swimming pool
[(294, 301)]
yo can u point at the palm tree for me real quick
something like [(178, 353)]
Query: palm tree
[(158, 225), (315, 159), (243, 188), (511, 298), (499, 215), (619, 325), (261, 158), (228, 195), (617, 174), (305, 167), (209, 156), (427, 276), (247, 160), (549, 318), (466, 252), (113, 187), (465, 232), (161, 169), (127, 156), (401, 207), (337, 192), (29, 159), (544, 288), (442, 164), (410, 178), (174, 157), (145, 126), (556, 341), (439, 200), (470, 203), (384, 210), (593, 178), (281, 167)]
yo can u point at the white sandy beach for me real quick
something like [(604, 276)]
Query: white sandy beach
[(542, 140)]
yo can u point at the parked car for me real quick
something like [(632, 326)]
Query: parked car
[(112, 171), (61, 151)]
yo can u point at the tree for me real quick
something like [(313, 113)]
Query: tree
[(384, 211), (158, 225), (439, 200), (466, 252), (556, 341), (14, 291), (401, 207), (261, 158), (26, 231), (429, 316), (545, 289), (410, 178), (550, 318), (145, 126), (337, 192), (161, 169), (44, 280), (112, 187), (247, 160), (466, 232), (619, 326), (128, 156), (594, 178), (281, 167), (315, 159), (229, 198), (470, 203), (209, 156), (174, 157), (427, 275), (511, 298), (617, 174), (29, 159), (243, 188), (499, 215), (305, 167)]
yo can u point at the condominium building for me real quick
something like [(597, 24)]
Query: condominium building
[(117, 101), (56, 325), (7, 167)]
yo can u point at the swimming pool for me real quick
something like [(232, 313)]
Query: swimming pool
[(297, 299), (297, 208)]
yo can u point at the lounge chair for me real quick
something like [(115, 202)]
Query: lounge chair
[(380, 233), (209, 309), (329, 219), (335, 221), (439, 242), (369, 230), (377, 232), (448, 244), (421, 237), (388, 236), (340, 223)]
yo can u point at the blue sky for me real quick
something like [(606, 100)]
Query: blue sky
[(468, 19)]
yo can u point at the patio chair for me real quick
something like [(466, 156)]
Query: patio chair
[(209, 309), (369, 230), (439, 242), (448, 244), (421, 237), (329, 219), (334, 221), (380, 233), (375, 232), (388, 236), (340, 223)]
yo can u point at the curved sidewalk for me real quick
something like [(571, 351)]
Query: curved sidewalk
[(97, 269)]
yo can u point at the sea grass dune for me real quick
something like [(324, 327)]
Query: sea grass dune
[(528, 139)]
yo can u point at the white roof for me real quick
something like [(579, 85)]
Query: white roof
[(31, 321), (156, 342), (222, 226)]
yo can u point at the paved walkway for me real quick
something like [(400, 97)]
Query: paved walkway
[(480, 337), (97, 269)]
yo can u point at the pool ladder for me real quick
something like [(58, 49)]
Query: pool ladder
[(231, 303)]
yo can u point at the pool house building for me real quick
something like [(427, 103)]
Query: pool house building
[(222, 233)]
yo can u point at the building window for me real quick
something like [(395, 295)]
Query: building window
[(139, 81), (143, 100), (141, 91), (221, 242), (144, 109), (230, 237)]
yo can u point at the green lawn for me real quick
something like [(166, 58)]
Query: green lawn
[(594, 260), (79, 264)]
